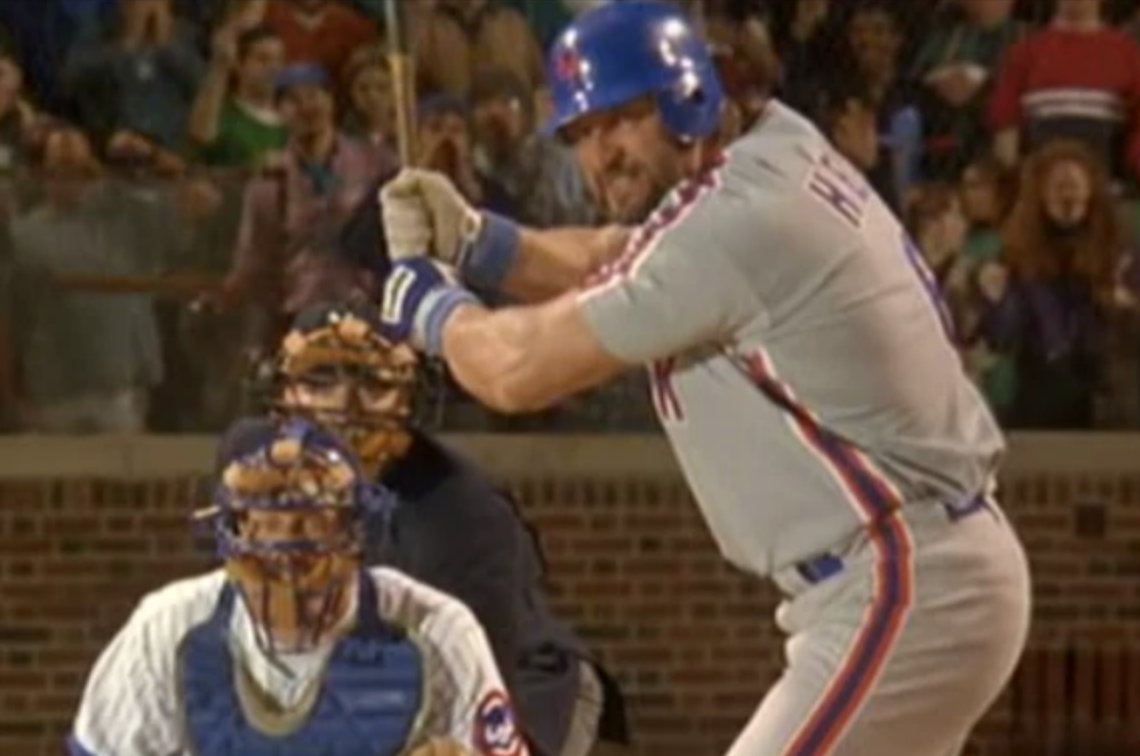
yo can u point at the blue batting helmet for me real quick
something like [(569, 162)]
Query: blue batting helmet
[(624, 50)]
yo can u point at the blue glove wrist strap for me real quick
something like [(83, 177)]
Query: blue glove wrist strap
[(433, 314), (488, 258)]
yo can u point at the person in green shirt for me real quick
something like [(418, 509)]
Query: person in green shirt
[(234, 122), (986, 190)]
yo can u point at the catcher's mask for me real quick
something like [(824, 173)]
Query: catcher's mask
[(335, 368), (289, 514)]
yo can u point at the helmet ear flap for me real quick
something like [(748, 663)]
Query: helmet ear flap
[(690, 109)]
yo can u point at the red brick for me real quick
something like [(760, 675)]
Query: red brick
[(18, 546), (26, 682), (631, 562)]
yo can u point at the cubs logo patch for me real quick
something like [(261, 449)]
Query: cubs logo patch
[(496, 733)]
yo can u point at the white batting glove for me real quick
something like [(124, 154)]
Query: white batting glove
[(424, 214)]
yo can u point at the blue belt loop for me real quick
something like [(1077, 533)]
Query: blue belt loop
[(960, 511), (821, 568)]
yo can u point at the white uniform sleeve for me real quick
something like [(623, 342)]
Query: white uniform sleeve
[(678, 285), (467, 699), (128, 706), (483, 716)]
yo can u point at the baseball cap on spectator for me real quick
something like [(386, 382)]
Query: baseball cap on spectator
[(303, 74), (441, 104)]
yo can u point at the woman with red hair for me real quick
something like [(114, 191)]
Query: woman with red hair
[(1051, 297)]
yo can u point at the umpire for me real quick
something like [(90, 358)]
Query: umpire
[(453, 528)]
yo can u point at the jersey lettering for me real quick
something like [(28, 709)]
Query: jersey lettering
[(832, 181), (835, 183)]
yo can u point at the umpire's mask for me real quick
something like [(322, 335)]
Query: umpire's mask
[(335, 368)]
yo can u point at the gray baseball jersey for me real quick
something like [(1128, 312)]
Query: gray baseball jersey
[(801, 358)]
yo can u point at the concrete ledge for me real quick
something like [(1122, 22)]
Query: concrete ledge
[(138, 457), (119, 457)]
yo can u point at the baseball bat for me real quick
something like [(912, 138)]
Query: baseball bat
[(402, 65)]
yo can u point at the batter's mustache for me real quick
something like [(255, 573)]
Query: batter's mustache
[(623, 170)]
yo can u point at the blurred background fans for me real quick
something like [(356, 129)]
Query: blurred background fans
[(179, 179)]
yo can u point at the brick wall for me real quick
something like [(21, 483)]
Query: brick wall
[(632, 567)]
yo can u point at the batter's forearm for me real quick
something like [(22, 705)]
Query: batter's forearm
[(524, 359), (485, 352), (553, 261)]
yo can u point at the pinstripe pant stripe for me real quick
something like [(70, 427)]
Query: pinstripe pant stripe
[(870, 650), (879, 506)]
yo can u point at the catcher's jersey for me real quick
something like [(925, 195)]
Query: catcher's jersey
[(131, 706), (800, 356)]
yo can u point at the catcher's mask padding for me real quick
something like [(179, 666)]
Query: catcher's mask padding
[(289, 515)]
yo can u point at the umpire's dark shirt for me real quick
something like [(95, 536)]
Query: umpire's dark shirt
[(454, 531)]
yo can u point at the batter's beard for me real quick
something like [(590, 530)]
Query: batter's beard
[(662, 170), (635, 214)]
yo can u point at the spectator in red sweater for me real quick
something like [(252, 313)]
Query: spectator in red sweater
[(319, 31), (1078, 79)]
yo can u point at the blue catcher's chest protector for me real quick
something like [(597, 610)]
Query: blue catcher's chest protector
[(367, 703)]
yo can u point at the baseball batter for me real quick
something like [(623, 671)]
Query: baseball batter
[(293, 648), (802, 367)]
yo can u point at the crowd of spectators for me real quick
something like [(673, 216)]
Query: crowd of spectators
[(148, 146)]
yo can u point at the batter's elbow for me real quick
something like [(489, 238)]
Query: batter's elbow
[(506, 376), (512, 390), (513, 397)]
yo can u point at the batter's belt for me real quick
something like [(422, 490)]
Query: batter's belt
[(820, 568)]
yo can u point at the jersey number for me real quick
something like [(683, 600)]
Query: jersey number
[(929, 285), (836, 184)]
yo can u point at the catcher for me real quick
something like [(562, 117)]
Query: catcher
[(294, 647), (453, 529)]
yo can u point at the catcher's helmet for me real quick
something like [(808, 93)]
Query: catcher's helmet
[(622, 51), (291, 572)]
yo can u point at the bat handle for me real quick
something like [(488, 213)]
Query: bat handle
[(403, 78), (403, 89)]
